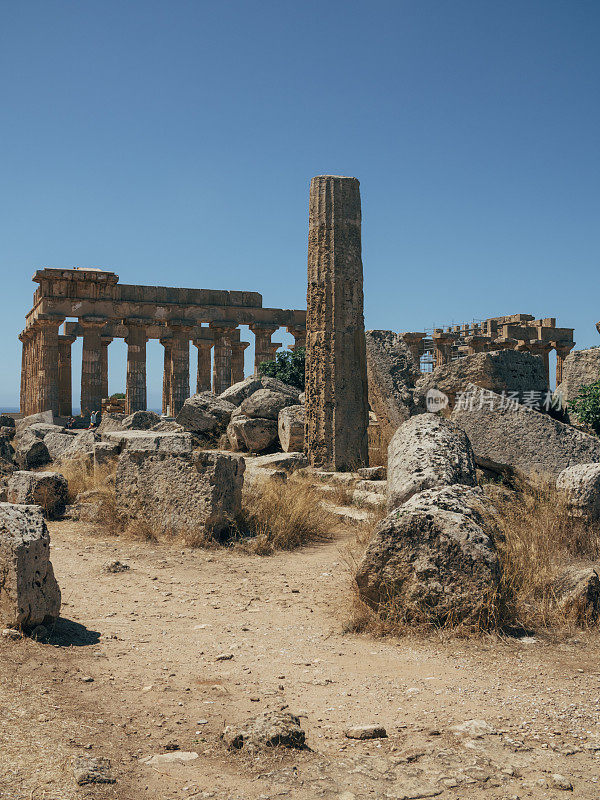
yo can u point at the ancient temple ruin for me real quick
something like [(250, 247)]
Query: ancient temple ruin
[(93, 304)]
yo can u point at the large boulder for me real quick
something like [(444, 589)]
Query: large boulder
[(188, 494), (29, 593), (46, 489), (290, 425), (392, 373), (432, 561), (581, 487), (266, 404), (513, 372), (58, 442), (237, 393), (30, 451), (253, 435), (580, 368), (514, 436), (140, 420), (205, 414), (32, 419), (427, 451)]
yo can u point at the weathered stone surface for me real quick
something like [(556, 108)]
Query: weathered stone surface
[(289, 462), (29, 593), (32, 419), (104, 453), (523, 439), (427, 451), (168, 426), (580, 368), (581, 485), (429, 565), (46, 489), (290, 425), (578, 593), (30, 451), (266, 404), (7, 433), (91, 769), (140, 420), (110, 422), (253, 435), (6, 421), (205, 414), (337, 409), (366, 732), (42, 429), (499, 371), (373, 473), (82, 446), (269, 729), (152, 441), (181, 494), (237, 393), (392, 373), (57, 443)]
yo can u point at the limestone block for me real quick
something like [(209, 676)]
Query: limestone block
[(290, 425), (30, 451), (266, 404), (57, 443), (269, 729), (82, 447), (580, 368), (32, 419), (237, 393), (426, 452), (180, 493), (581, 485), (46, 489), (521, 438), (29, 593), (140, 420), (152, 441), (205, 414), (254, 435)]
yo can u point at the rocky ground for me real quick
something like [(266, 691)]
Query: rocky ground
[(166, 653)]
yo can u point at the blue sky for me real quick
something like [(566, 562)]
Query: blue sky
[(173, 142)]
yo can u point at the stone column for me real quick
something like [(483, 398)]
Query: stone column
[(135, 386), (442, 343), (104, 341), (24, 339), (204, 372), (542, 349), (562, 351), (414, 342), (237, 361), (48, 364), (65, 400), (91, 365), (476, 344), (337, 410), (166, 393), (299, 335), (262, 342), (180, 367), (223, 333)]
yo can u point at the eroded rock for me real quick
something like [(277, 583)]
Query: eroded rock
[(46, 489), (290, 426)]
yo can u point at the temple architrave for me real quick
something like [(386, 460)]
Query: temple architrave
[(93, 305)]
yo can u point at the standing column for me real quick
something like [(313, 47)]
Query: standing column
[(65, 400), (237, 361), (562, 351), (48, 364), (91, 365), (180, 367), (203, 376), (299, 335), (414, 342), (166, 393), (24, 339), (33, 382), (135, 387), (542, 349), (262, 343), (223, 331), (442, 343), (337, 410), (104, 341)]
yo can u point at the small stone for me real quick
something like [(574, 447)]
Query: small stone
[(116, 566), (11, 633), (87, 679), (176, 756), (474, 728), (366, 732), (92, 770), (560, 782), (224, 657)]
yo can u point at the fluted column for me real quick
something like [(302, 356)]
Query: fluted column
[(542, 349), (237, 361), (299, 334), (180, 367), (104, 341), (414, 342), (562, 351), (442, 343), (91, 365), (48, 364), (204, 372), (65, 400), (24, 339), (262, 343), (166, 393), (223, 333), (135, 388)]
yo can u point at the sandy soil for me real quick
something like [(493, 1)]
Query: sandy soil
[(187, 641)]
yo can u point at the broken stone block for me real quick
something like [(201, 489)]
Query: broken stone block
[(205, 414), (425, 452), (581, 486), (253, 435), (266, 404), (32, 419), (29, 593), (237, 393), (140, 420), (180, 494), (46, 489), (269, 729), (57, 442), (30, 451), (578, 593), (290, 425), (88, 770), (366, 732)]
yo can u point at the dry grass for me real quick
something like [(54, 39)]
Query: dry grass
[(82, 476), (283, 515)]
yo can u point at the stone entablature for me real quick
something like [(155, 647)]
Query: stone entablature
[(514, 332), (104, 310)]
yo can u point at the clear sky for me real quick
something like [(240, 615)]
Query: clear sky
[(173, 142)]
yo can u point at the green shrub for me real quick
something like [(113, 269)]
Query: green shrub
[(118, 396), (587, 406), (287, 367)]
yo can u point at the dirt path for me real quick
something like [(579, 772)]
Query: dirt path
[(185, 642)]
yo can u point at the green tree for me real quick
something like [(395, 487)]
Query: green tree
[(118, 396), (287, 367), (587, 406)]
